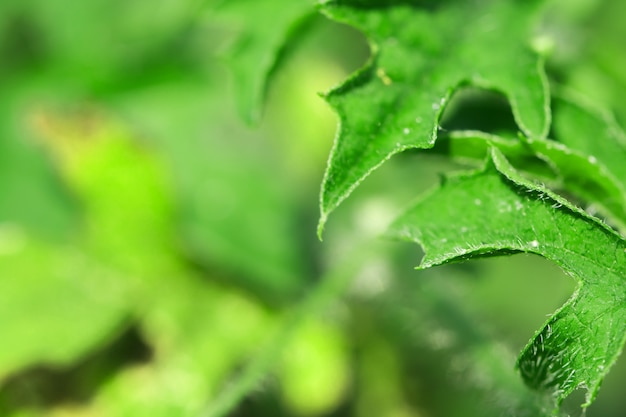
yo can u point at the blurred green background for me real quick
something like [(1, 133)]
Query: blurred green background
[(158, 254)]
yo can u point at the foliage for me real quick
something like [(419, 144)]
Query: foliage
[(421, 57), (158, 255)]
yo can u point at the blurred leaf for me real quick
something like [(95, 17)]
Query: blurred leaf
[(122, 186), (130, 225), (56, 304), (95, 57), (236, 207), (421, 54), (259, 44), (505, 213), (193, 357), (32, 194), (595, 67), (567, 169), (460, 367), (591, 130)]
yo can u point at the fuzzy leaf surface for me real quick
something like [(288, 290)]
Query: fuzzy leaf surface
[(422, 52), (496, 211)]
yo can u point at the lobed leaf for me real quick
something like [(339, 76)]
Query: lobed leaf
[(422, 52), (496, 211)]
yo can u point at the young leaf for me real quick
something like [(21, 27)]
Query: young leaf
[(421, 54), (495, 211)]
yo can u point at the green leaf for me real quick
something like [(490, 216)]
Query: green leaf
[(593, 131), (496, 211), (553, 163), (56, 304), (136, 238), (196, 347), (259, 44), (594, 63), (472, 147), (65, 43), (420, 56), (27, 179), (236, 207)]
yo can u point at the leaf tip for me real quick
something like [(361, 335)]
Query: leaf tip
[(320, 226)]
